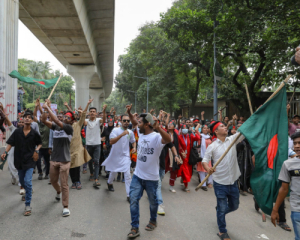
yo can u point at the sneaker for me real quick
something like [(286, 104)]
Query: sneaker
[(40, 176), (110, 187), (160, 210), (46, 177), (22, 191), (49, 182), (13, 181), (172, 189), (204, 188), (66, 212), (57, 197)]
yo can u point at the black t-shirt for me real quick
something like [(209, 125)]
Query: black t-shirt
[(162, 157), (24, 147)]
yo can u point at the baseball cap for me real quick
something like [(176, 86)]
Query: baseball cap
[(148, 117)]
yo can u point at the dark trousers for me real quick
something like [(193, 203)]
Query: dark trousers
[(227, 201), (75, 174), (281, 213), (44, 152)]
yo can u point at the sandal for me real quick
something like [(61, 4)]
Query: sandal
[(78, 186), (186, 190), (134, 232), (84, 171), (73, 186), (284, 226), (151, 226), (223, 236), (204, 188), (27, 211)]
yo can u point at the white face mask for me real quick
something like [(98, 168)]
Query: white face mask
[(185, 131)]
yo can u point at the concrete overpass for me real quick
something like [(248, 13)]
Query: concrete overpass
[(79, 33)]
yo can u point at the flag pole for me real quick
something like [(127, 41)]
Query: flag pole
[(239, 135), (54, 86)]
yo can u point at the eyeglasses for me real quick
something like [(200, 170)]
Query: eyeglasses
[(126, 121)]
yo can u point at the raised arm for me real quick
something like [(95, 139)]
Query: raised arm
[(168, 119), (178, 121), (52, 116), (166, 138), (68, 107), (131, 117), (220, 115), (104, 113)]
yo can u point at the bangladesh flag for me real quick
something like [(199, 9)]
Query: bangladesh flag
[(39, 82), (267, 132)]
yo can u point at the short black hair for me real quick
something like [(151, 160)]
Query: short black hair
[(143, 116), (124, 115), (295, 135), (93, 108), (28, 112)]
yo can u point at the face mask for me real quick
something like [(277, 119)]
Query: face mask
[(185, 131)]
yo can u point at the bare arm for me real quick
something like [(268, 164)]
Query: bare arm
[(131, 117), (53, 117), (8, 147), (166, 138), (104, 113), (168, 119), (68, 107), (283, 192)]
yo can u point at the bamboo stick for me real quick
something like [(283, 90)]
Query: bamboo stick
[(249, 101), (54, 87)]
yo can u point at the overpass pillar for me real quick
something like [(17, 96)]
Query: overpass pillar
[(95, 94), (82, 76), (9, 17)]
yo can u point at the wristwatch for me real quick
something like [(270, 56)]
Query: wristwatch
[(37, 151)]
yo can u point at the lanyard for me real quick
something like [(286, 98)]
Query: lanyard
[(185, 140)]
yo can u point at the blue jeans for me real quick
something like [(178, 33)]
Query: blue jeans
[(94, 151), (227, 201), (137, 188), (25, 178), (158, 191), (295, 216)]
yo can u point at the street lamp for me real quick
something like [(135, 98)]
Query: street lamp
[(146, 78), (135, 92)]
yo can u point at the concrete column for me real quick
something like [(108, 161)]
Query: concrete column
[(95, 94), (101, 100), (9, 16), (82, 76)]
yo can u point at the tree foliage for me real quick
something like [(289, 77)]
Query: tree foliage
[(64, 89)]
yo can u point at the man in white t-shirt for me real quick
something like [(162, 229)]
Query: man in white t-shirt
[(146, 174), (119, 157), (93, 143)]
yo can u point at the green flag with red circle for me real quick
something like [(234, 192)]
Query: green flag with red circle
[(267, 133), (45, 83)]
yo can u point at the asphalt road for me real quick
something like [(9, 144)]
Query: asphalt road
[(99, 214)]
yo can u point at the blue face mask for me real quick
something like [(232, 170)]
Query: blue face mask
[(185, 131)]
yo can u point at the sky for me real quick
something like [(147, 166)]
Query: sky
[(129, 16)]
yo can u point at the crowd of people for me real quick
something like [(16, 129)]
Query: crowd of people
[(140, 149)]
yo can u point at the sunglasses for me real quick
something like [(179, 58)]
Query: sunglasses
[(126, 121), (65, 117)]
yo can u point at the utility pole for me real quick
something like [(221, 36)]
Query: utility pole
[(215, 80)]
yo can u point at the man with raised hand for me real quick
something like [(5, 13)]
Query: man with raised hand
[(146, 174), (60, 157)]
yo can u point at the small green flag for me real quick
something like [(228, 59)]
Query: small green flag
[(45, 83), (267, 132), (218, 71)]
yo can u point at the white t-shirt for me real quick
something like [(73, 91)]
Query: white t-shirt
[(119, 156), (148, 152), (93, 132)]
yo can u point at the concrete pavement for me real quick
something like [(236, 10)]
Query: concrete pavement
[(99, 214)]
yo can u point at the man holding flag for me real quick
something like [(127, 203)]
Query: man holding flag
[(225, 175)]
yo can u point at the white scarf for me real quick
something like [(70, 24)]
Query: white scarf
[(203, 143)]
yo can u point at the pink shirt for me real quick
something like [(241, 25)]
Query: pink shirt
[(292, 128)]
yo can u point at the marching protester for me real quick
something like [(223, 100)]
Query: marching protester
[(225, 175), (79, 154), (119, 157), (146, 174), (186, 142), (205, 142), (93, 144), (60, 157), (289, 177), (27, 143)]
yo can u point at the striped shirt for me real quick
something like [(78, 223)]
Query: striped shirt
[(227, 172)]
